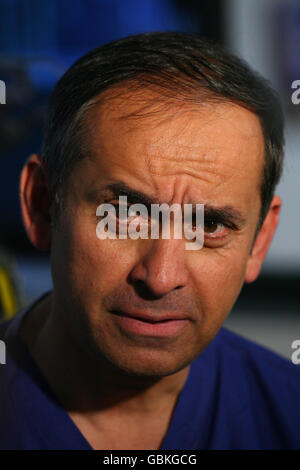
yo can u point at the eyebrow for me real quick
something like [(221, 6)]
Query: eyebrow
[(227, 215), (114, 190)]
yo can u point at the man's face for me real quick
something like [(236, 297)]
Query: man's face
[(211, 154)]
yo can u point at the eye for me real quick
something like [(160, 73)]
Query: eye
[(214, 229)]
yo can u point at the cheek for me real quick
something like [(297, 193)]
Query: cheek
[(91, 267), (218, 277)]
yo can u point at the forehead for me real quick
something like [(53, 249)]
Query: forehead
[(213, 149)]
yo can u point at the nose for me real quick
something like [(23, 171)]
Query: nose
[(162, 268)]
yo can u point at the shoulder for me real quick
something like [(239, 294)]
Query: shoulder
[(256, 394), (253, 355), (20, 389), (262, 375), (248, 374), (12, 355)]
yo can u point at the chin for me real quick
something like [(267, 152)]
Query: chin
[(155, 364)]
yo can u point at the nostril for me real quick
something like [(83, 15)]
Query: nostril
[(144, 291)]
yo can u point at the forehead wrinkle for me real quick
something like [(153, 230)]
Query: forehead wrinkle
[(208, 175), (207, 159), (156, 156), (204, 177), (194, 152), (161, 165)]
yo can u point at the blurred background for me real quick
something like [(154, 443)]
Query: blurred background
[(40, 39)]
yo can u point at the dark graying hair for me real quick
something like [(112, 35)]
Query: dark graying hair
[(187, 67)]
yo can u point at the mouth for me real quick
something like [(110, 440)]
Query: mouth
[(145, 324)]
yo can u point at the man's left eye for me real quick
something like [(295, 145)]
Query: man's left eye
[(214, 229)]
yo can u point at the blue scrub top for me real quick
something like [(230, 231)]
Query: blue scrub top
[(238, 395)]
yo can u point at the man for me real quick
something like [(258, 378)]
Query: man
[(128, 351)]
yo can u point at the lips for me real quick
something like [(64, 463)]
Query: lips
[(149, 325), (150, 317)]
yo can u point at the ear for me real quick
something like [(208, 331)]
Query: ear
[(35, 203), (263, 240)]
